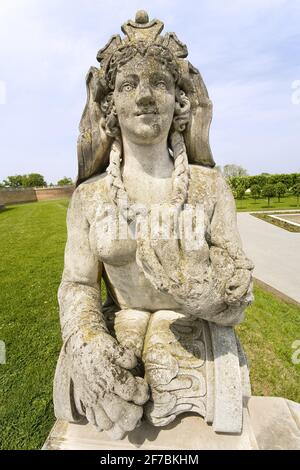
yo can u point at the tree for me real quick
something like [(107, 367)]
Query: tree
[(296, 191), (234, 170), (280, 190), (64, 181), (33, 180), (232, 184), (268, 191), (14, 181), (255, 191), (240, 190)]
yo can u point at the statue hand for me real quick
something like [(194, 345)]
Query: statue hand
[(105, 391), (238, 287)]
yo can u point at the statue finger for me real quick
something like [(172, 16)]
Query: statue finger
[(116, 432), (142, 393), (124, 383), (126, 415), (235, 292), (108, 347), (124, 357), (132, 418), (90, 416), (102, 421)]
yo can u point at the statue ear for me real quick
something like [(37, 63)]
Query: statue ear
[(196, 134), (93, 143)]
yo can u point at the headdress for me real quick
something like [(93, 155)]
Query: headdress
[(94, 144)]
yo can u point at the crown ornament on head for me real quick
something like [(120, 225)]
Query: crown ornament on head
[(140, 34)]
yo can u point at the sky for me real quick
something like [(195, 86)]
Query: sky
[(248, 52)]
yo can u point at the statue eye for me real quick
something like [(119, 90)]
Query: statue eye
[(161, 84), (127, 87)]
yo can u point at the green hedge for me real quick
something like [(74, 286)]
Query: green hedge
[(289, 180)]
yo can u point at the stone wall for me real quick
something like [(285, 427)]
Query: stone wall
[(14, 196), (54, 193), (19, 195)]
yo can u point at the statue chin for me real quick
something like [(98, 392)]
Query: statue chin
[(148, 131)]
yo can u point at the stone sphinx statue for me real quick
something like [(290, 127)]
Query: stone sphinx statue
[(163, 342)]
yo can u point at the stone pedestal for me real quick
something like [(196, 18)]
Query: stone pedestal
[(268, 423)]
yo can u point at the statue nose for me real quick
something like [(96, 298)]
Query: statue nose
[(144, 96)]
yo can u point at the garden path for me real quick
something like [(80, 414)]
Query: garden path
[(275, 253)]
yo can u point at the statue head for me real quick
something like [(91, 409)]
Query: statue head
[(144, 99), (144, 89)]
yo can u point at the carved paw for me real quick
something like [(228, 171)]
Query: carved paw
[(174, 358), (105, 391)]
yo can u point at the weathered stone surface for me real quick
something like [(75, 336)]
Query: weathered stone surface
[(154, 221), (269, 423), (185, 433), (275, 422), (295, 410)]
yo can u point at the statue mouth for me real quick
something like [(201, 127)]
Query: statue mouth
[(146, 112)]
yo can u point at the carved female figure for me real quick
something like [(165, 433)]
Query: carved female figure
[(156, 343)]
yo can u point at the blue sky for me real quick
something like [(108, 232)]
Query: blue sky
[(247, 51)]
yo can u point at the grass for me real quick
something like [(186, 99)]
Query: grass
[(271, 327), (277, 222), (249, 204), (32, 239)]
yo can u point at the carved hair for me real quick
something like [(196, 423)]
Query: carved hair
[(126, 53)]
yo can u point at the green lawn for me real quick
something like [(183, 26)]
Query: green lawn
[(249, 204), (32, 238)]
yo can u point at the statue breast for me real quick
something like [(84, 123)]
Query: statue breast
[(110, 240)]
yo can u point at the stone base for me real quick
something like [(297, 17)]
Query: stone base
[(268, 423)]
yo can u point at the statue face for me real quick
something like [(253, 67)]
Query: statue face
[(144, 98)]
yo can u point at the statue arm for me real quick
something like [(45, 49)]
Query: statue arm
[(93, 377), (79, 302), (79, 292)]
